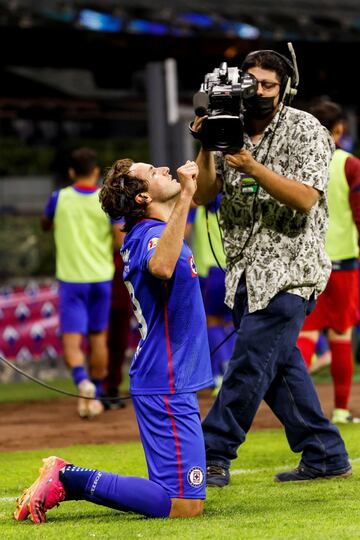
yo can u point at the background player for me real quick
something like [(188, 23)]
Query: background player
[(171, 363), (204, 220), (337, 307), (84, 268), (118, 337)]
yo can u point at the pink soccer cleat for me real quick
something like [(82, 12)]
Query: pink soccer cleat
[(46, 492)]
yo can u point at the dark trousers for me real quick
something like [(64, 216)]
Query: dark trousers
[(266, 364)]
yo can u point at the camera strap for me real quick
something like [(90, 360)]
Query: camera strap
[(233, 260)]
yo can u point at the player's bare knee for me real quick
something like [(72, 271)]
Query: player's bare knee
[(197, 508), (186, 508), (333, 335), (310, 334)]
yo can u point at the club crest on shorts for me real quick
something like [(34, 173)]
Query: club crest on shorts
[(196, 476), (152, 243), (192, 266)]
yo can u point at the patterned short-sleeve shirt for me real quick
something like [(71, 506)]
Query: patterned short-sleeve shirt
[(280, 249)]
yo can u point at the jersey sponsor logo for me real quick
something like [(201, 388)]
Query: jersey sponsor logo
[(152, 243), (196, 476), (192, 266)]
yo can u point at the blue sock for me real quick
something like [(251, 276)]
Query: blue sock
[(126, 493), (322, 345), (79, 374), (99, 386), (74, 480)]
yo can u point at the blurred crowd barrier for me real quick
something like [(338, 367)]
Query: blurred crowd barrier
[(29, 322), (30, 333)]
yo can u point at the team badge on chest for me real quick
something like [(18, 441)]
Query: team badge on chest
[(152, 243), (192, 266)]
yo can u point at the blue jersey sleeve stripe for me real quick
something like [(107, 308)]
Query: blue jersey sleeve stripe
[(50, 208)]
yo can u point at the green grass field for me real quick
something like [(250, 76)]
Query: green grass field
[(253, 506), (30, 391)]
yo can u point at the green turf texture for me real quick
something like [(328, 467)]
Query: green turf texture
[(252, 507), (30, 391)]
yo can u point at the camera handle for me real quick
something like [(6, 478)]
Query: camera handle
[(195, 134)]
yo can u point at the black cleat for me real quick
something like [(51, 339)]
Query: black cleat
[(112, 401), (303, 473), (217, 476)]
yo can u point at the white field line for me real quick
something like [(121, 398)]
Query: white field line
[(235, 472)]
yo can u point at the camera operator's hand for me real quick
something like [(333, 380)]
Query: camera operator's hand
[(196, 125), (187, 175), (242, 160)]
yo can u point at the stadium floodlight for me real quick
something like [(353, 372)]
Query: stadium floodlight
[(100, 22)]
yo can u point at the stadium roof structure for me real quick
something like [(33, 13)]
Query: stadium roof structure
[(323, 20), (97, 50)]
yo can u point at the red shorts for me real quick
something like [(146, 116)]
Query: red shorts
[(338, 306)]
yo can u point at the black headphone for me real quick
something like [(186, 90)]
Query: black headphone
[(288, 88)]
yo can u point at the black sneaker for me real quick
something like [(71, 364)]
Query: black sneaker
[(303, 473), (217, 476)]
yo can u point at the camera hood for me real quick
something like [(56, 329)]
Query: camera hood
[(222, 132)]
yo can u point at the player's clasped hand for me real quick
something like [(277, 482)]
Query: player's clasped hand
[(187, 175)]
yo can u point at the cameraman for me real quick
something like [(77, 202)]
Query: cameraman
[(274, 244)]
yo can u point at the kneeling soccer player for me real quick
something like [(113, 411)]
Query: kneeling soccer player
[(170, 365)]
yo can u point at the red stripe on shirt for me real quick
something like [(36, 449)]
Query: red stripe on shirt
[(352, 173), (177, 446), (168, 342), (85, 187)]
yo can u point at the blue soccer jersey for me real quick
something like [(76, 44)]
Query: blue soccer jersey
[(173, 353)]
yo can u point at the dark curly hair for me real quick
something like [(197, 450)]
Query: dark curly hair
[(266, 59), (117, 195), (83, 161), (327, 112)]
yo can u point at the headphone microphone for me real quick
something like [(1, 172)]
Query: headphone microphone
[(292, 82)]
